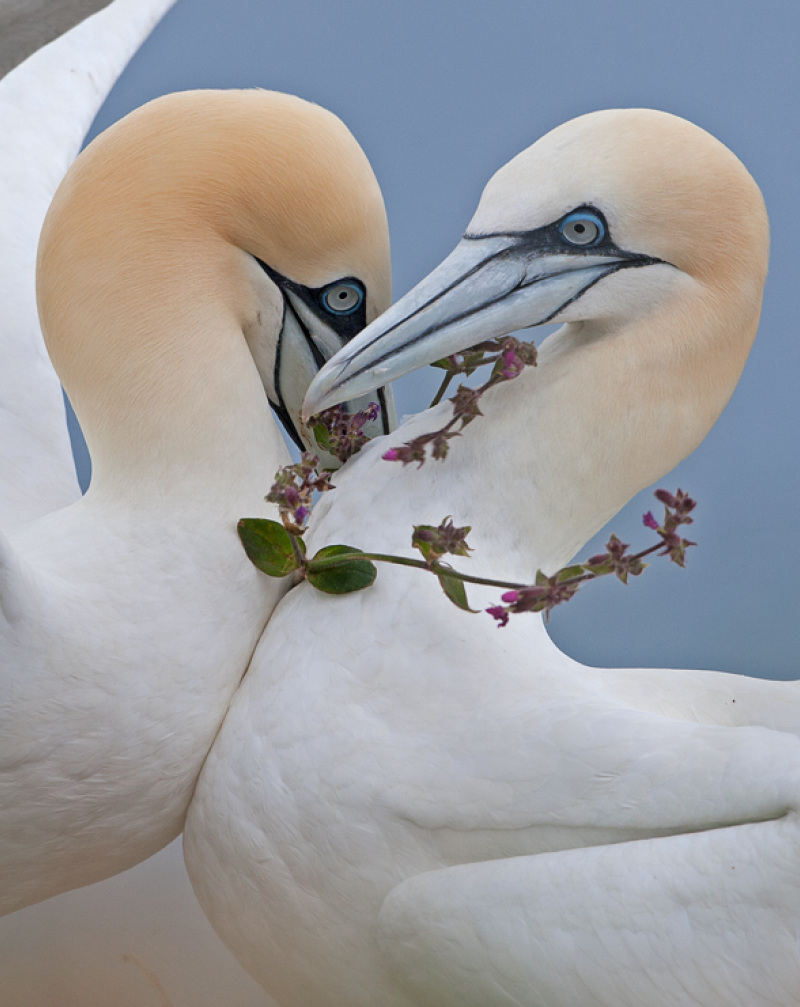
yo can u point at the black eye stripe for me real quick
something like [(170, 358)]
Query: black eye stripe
[(550, 238), (345, 323)]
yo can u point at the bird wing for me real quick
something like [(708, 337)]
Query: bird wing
[(47, 105), (703, 919), (541, 745), (604, 852)]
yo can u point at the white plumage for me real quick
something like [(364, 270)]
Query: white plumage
[(140, 937)]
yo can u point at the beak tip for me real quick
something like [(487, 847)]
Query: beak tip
[(310, 408), (316, 399), (326, 388)]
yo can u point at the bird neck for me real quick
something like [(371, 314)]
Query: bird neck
[(607, 412), (158, 370)]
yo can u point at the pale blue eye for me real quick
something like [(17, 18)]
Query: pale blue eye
[(582, 229), (343, 298)]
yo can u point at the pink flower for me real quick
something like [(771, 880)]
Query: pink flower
[(510, 597), (649, 521), (391, 455), (499, 613), (512, 365)]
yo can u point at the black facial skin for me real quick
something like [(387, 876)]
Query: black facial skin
[(346, 325), (538, 243)]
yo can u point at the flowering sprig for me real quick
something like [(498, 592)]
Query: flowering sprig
[(341, 569), (342, 434), (278, 548), (293, 491), (676, 513), (548, 592), (508, 357)]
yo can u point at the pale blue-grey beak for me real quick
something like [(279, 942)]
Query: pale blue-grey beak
[(487, 287)]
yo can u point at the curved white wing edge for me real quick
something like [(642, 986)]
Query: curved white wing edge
[(47, 105)]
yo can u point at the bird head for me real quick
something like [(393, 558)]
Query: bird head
[(614, 218), (200, 216)]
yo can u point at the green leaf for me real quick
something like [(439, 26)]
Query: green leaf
[(598, 569), (269, 546), (347, 576), (455, 591), (322, 436), (444, 364), (568, 572)]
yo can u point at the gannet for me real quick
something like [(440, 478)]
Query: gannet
[(46, 107), (200, 243), (408, 806), (139, 937)]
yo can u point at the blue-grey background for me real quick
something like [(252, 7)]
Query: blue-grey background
[(440, 93)]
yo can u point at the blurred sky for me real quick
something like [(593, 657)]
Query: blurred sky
[(440, 94)]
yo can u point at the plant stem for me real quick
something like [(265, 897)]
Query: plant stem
[(299, 555), (332, 562), (437, 398)]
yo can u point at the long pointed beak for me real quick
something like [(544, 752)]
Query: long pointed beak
[(486, 288)]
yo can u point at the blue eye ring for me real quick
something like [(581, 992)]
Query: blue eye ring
[(582, 229), (343, 298)]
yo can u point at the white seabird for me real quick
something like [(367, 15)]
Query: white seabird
[(405, 805)]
